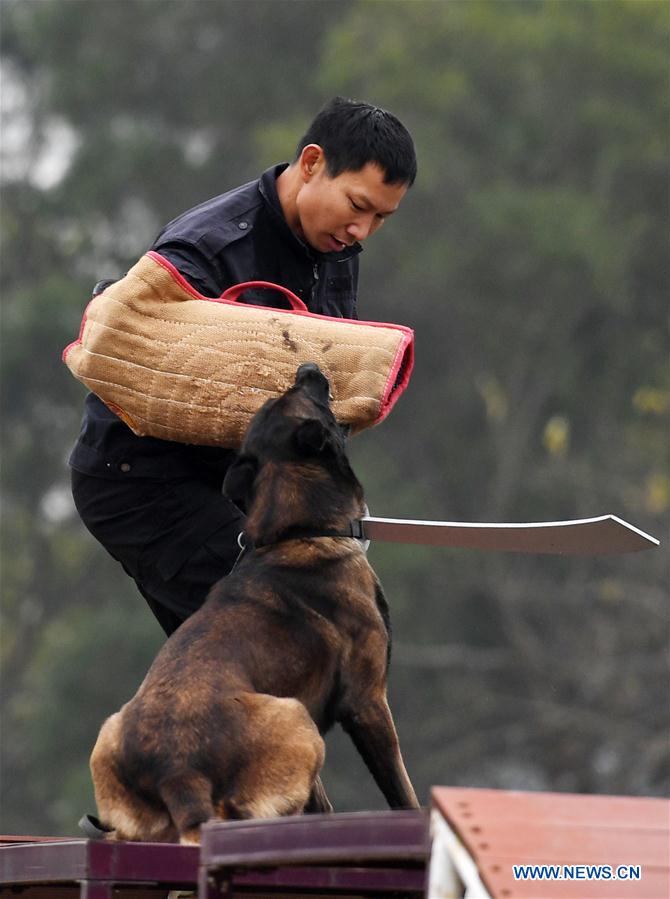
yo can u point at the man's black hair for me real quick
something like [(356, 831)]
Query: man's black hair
[(352, 134)]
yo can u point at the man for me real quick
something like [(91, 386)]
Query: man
[(156, 505)]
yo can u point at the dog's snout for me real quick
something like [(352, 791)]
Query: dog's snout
[(307, 370), (310, 375)]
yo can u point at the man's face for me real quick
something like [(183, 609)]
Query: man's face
[(333, 213)]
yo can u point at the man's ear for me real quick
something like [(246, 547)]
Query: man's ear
[(239, 481), (311, 160), (311, 436)]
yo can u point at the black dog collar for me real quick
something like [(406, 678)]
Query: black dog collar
[(354, 529)]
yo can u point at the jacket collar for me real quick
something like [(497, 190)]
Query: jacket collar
[(267, 186)]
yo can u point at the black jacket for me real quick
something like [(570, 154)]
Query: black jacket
[(239, 236)]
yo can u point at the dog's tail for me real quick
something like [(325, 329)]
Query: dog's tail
[(188, 798)]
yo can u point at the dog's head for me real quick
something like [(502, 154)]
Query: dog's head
[(294, 441)]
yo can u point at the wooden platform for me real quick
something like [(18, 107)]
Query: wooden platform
[(361, 854), (466, 847)]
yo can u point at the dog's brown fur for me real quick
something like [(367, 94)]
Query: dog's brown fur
[(228, 722)]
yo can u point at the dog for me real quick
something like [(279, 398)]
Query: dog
[(229, 721)]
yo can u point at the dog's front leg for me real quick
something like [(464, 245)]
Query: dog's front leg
[(373, 733)]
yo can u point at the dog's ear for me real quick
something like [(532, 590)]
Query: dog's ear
[(239, 481), (311, 436)]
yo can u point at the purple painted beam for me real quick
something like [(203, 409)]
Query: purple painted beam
[(371, 879), (361, 851), (319, 839), (91, 862)]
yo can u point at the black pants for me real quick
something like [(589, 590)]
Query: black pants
[(174, 538)]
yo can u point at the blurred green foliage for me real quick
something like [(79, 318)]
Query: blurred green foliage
[(529, 257)]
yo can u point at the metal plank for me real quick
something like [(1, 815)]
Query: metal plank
[(462, 805), (604, 535), (497, 873), (502, 828), (528, 840)]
